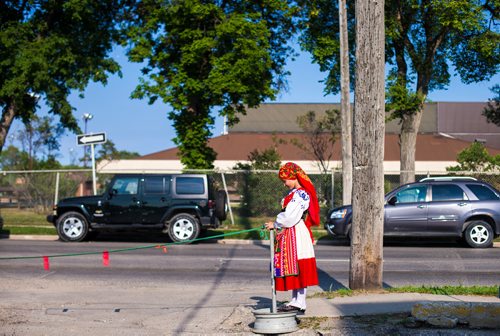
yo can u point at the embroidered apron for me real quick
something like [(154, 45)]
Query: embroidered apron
[(285, 253)]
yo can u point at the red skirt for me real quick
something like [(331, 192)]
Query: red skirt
[(308, 276)]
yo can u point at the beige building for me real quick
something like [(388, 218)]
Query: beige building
[(446, 129)]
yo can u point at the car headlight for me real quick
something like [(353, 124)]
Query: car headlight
[(338, 214)]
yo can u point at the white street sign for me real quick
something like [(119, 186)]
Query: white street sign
[(90, 139)]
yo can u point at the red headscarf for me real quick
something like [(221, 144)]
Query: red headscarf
[(291, 171)]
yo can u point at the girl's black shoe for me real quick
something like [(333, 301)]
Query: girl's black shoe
[(289, 309)]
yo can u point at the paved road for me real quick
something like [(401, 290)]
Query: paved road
[(199, 263), (190, 290)]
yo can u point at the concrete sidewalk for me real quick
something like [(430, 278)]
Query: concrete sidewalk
[(441, 311), (372, 304)]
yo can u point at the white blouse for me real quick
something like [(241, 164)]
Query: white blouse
[(294, 209)]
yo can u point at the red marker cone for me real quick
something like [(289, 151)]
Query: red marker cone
[(105, 258), (46, 264)]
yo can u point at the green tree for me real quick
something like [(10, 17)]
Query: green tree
[(321, 37), (320, 136), (425, 41), (476, 158), (40, 139), (14, 159), (50, 48), (34, 190), (260, 196), (321, 133), (492, 111), (38, 144), (108, 151), (268, 159), (201, 55), (49, 134), (329, 35)]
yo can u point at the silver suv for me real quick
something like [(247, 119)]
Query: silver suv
[(435, 207)]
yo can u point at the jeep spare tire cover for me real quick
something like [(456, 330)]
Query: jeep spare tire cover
[(220, 205)]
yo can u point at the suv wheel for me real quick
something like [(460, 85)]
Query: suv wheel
[(220, 205), (72, 227), (183, 227), (479, 234)]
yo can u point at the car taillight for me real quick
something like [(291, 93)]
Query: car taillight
[(211, 204)]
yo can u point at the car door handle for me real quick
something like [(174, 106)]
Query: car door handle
[(462, 204), (420, 206)]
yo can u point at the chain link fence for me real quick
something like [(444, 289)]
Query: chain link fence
[(251, 193)]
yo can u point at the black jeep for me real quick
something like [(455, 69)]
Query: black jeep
[(178, 204)]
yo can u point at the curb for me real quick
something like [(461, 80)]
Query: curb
[(427, 310), (29, 237), (449, 314), (217, 241)]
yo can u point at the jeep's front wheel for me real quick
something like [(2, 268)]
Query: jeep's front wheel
[(72, 227), (183, 228)]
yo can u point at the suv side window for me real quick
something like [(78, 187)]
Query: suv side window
[(154, 185), (412, 194), (482, 193), (126, 185), (447, 192), (190, 186)]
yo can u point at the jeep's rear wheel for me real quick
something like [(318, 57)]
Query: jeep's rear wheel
[(72, 227), (183, 228), (220, 205), (479, 234)]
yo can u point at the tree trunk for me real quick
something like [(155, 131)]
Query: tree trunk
[(368, 148), (192, 126), (5, 123), (345, 107), (408, 145)]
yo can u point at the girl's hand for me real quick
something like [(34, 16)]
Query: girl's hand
[(269, 225)]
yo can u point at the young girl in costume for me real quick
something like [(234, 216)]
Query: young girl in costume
[(294, 260)]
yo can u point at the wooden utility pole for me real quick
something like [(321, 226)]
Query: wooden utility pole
[(368, 148), (345, 107)]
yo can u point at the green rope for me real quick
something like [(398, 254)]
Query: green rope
[(262, 233)]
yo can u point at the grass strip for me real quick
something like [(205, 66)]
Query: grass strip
[(23, 217), (26, 230), (438, 290), (448, 290)]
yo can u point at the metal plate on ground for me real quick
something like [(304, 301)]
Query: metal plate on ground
[(267, 322)]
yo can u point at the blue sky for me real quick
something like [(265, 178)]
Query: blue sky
[(135, 126)]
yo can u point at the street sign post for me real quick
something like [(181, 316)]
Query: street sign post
[(91, 139)]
